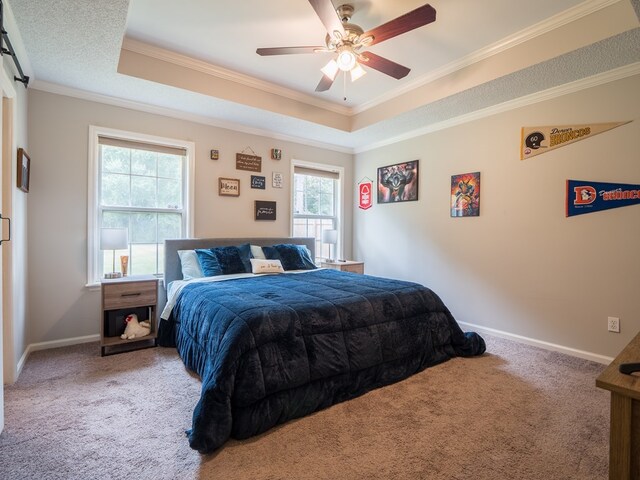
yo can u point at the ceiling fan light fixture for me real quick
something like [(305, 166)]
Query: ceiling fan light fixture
[(346, 60), (330, 69), (357, 72)]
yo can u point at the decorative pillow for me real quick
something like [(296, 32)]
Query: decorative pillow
[(225, 260), (190, 265), (208, 262), (245, 256), (256, 252), (293, 257), (259, 265)]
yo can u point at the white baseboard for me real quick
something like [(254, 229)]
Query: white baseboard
[(594, 357), (65, 342)]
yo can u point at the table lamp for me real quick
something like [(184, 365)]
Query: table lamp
[(330, 237), (114, 239)]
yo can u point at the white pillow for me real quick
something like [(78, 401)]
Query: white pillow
[(190, 265), (266, 266), (257, 252)]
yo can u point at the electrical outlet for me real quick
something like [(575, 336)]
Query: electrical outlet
[(613, 324)]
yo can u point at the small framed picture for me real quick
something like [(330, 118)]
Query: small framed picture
[(265, 210), (215, 154), (258, 181), (229, 187), (276, 154), (24, 170), (277, 180)]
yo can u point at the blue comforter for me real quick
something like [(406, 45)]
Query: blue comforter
[(278, 347)]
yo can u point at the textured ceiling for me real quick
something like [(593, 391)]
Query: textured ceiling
[(74, 47)]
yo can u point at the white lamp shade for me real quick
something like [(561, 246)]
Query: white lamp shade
[(114, 239), (330, 236), (330, 69), (357, 72)]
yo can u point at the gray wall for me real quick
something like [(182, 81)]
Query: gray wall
[(61, 306), (520, 267)]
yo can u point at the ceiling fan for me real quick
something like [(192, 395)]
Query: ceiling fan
[(347, 41)]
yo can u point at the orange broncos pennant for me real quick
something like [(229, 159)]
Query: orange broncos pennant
[(537, 140)]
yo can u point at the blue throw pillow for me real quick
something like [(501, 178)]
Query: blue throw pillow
[(208, 262), (225, 260), (245, 256), (292, 257)]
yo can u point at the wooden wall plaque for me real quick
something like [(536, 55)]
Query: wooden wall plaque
[(252, 163)]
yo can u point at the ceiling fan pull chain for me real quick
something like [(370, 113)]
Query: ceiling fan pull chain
[(344, 86)]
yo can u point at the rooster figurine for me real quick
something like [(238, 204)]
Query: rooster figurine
[(135, 329)]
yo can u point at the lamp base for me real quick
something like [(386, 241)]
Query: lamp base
[(113, 275)]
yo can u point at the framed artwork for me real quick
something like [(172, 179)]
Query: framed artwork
[(215, 154), (24, 170), (265, 210), (229, 187), (398, 183), (465, 195), (277, 180), (258, 181), (276, 154)]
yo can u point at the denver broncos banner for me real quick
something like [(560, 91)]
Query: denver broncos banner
[(588, 197), (537, 140)]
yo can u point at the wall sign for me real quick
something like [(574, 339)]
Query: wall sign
[(277, 180), (258, 182), (537, 140), (365, 197), (265, 210), (229, 187), (588, 197), (252, 163), (276, 154), (215, 154)]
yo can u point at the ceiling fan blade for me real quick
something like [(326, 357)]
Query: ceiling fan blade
[(288, 50), (405, 23), (328, 16), (383, 65), (325, 84)]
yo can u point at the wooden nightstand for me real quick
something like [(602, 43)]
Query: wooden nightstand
[(346, 266), (120, 297)]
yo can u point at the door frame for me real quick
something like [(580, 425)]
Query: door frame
[(7, 141)]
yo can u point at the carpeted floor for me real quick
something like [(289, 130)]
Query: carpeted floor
[(517, 412)]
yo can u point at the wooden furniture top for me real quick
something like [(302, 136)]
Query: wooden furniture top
[(346, 262), (611, 379)]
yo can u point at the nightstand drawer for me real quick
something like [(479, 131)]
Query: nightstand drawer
[(355, 268), (129, 294)]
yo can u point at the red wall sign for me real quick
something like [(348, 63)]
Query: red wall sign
[(364, 195)]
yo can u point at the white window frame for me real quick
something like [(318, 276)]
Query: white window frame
[(337, 253), (93, 217)]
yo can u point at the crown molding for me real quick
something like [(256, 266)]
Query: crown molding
[(563, 18), (578, 85), (180, 115), (152, 51)]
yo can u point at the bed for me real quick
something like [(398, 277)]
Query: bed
[(271, 348)]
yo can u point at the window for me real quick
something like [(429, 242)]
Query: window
[(141, 184), (317, 193)]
